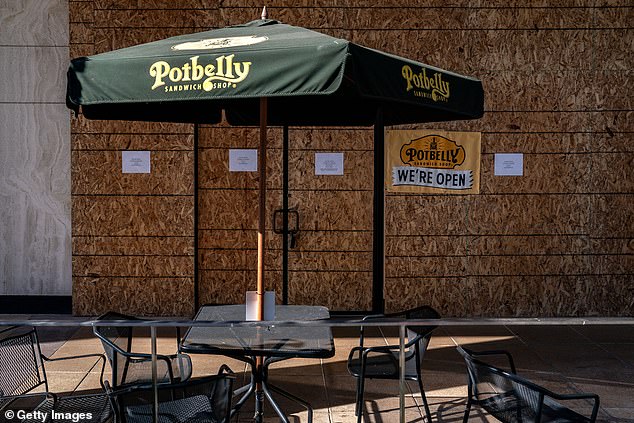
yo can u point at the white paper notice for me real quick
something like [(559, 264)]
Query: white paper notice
[(509, 164), (328, 163), (135, 161), (243, 160)]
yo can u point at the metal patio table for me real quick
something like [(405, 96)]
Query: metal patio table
[(272, 343)]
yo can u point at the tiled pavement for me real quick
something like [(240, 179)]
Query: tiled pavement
[(566, 359)]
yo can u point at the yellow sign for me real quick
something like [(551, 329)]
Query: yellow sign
[(427, 161)]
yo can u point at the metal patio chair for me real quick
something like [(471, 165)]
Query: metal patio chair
[(129, 367), (382, 362), (511, 398), (197, 400), (22, 370)]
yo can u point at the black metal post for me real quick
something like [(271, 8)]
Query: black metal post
[(285, 215), (196, 299), (378, 237)]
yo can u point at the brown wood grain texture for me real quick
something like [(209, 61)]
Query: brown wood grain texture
[(133, 266), (557, 241), (544, 296), (157, 4), (137, 141), (214, 171), (307, 240), (132, 215), (133, 245), (331, 289), (143, 296), (81, 11), (99, 172)]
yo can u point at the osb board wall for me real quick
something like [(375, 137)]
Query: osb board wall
[(556, 241), (331, 263)]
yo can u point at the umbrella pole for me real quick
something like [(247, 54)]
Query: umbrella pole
[(259, 362), (261, 208)]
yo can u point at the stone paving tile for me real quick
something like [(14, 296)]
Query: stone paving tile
[(558, 335), (565, 359)]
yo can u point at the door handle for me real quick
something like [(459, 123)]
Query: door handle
[(293, 224)]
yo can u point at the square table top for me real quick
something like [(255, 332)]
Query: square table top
[(272, 340)]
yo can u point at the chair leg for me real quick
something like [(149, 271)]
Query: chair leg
[(359, 407), (424, 397), (466, 412)]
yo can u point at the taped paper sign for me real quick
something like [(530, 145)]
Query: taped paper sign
[(427, 161)]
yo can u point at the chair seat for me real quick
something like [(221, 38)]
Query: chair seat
[(382, 366), (555, 412), (508, 408), (97, 405), (22, 371), (200, 400), (191, 410), (511, 398)]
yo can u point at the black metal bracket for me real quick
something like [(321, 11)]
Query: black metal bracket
[(293, 224)]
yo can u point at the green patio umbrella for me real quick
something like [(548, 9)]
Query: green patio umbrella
[(268, 73)]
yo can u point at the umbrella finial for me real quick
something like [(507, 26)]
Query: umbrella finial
[(265, 14)]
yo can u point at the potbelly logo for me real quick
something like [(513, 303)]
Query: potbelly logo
[(433, 151), (432, 86), (223, 72), (430, 161)]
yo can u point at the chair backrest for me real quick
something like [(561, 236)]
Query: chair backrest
[(505, 395), (117, 343), (424, 332), (206, 399), (21, 368)]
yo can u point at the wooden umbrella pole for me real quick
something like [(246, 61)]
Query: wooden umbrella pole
[(262, 208)]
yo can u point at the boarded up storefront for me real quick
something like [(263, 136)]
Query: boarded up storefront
[(555, 241)]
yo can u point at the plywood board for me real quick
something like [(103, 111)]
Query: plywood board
[(556, 241), (136, 296), (478, 245), (611, 173), (133, 266), (335, 290), (100, 173), (81, 11), (542, 173), (82, 125), (158, 4), (156, 18), (221, 239), (132, 216), (133, 141), (612, 216), (133, 245)]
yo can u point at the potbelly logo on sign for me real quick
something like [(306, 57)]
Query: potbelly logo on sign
[(423, 161), (432, 86), (223, 72), (432, 151)]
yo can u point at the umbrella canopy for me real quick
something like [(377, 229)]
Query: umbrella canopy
[(309, 78)]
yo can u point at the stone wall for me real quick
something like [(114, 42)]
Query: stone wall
[(35, 240)]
